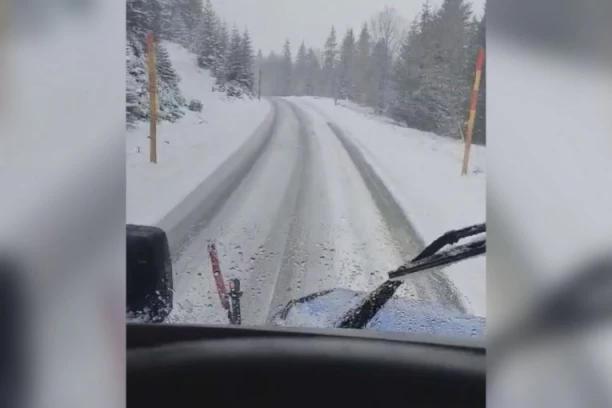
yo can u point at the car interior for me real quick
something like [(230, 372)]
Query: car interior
[(174, 365)]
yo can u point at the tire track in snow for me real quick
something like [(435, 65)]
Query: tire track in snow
[(250, 228), (286, 280), (192, 215), (408, 241), (337, 238)]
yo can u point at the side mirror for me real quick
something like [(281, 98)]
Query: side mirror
[(149, 283)]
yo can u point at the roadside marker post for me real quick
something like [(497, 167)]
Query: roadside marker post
[(219, 282), (259, 93), (232, 309), (472, 119), (152, 95)]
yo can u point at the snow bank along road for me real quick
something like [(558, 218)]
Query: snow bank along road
[(295, 210)]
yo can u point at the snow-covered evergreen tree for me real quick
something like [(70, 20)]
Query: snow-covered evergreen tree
[(300, 72), (313, 74), (346, 67), (136, 90), (380, 77), (430, 77), (171, 101), (221, 51), (271, 69), (330, 63), (139, 20), (208, 51), (233, 66), (362, 64), (166, 10), (246, 77), (450, 88), (181, 23), (143, 17), (286, 73), (196, 12)]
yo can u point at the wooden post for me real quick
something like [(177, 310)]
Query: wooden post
[(152, 95), (472, 119), (259, 85)]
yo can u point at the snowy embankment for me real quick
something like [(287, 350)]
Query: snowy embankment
[(422, 172), (189, 150)]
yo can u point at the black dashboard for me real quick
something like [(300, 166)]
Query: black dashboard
[(199, 366)]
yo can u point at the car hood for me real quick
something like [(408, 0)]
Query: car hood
[(399, 315)]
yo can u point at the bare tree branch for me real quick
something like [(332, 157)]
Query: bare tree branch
[(387, 26)]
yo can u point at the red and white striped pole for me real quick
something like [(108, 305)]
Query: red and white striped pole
[(472, 119)]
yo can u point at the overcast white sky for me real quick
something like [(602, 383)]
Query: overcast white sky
[(271, 21)]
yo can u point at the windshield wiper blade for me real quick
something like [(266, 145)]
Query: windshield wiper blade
[(455, 254), (451, 237), (430, 257)]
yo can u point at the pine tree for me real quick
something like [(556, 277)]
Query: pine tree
[(182, 23), (136, 92), (139, 20), (431, 82), (246, 77), (171, 101), (362, 65), (155, 17), (347, 67), (380, 77), (313, 75), (207, 38), (286, 70), (301, 71), (448, 86), (165, 20), (411, 103), (329, 64), (272, 67), (222, 42), (415, 70), (196, 15), (233, 65)]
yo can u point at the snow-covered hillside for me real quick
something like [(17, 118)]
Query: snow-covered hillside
[(189, 150)]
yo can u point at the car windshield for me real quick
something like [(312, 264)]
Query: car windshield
[(289, 149)]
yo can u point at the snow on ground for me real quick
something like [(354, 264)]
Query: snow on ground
[(422, 171), (188, 150)]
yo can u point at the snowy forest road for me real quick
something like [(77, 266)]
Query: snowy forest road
[(295, 211)]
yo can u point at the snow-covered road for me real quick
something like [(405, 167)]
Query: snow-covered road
[(295, 210)]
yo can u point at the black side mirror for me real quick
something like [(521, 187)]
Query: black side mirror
[(149, 284)]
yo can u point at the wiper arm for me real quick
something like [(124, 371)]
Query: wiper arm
[(359, 318), (429, 258)]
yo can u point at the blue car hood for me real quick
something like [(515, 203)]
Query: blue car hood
[(399, 315)]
